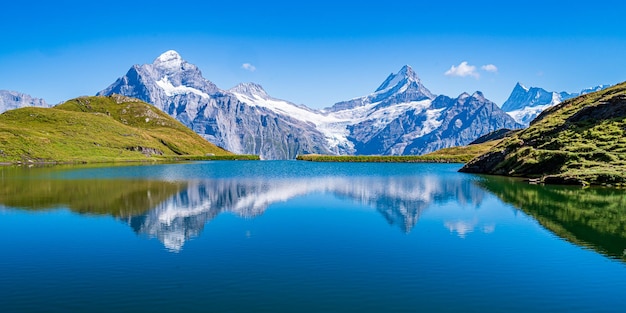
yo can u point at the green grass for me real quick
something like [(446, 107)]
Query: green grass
[(99, 129), (580, 141), (464, 153), (447, 155)]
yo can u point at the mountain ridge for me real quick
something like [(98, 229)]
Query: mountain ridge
[(526, 103), (10, 100), (246, 119)]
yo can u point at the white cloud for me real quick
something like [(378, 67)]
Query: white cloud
[(462, 70), (248, 67), (489, 68)]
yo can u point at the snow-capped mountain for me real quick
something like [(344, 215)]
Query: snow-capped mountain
[(10, 100), (178, 88), (524, 104), (404, 117), (400, 117), (400, 113)]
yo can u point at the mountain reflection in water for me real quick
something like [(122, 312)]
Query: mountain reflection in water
[(401, 200), (174, 212), (177, 210)]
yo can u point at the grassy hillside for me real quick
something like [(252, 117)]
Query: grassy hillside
[(98, 129), (465, 153), (447, 155), (580, 141)]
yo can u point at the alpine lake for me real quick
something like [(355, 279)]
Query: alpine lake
[(293, 236)]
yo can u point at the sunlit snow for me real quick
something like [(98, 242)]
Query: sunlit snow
[(171, 90)]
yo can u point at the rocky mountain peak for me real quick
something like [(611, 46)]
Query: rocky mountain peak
[(170, 63), (520, 87), (478, 95), (402, 77), (251, 90), (169, 57)]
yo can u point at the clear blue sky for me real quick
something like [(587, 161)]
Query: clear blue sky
[(315, 52)]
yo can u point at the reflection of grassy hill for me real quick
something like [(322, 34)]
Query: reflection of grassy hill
[(582, 140), (593, 217), (119, 198), (98, 129)]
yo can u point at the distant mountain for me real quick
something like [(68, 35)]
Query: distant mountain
[(524, 104), (10, 100), (397, 118), (579, 141)]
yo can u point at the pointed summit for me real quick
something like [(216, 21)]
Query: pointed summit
[(408, 71), (523, 96), (406, 74), (521, 86)]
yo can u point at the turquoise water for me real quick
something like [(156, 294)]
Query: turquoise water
[(288, 236)]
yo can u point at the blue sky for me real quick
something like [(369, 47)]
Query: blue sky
[(316, 53)]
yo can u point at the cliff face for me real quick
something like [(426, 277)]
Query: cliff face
[(179, 89)]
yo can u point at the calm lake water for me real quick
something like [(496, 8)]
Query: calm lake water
[(289, 236)]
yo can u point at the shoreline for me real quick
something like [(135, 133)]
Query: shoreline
[(29, 162)]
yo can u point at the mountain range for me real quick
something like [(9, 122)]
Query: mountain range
[(401, 116), (525, 104), (10, 100)]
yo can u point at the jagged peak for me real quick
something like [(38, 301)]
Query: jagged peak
[(478, 95), (464, 95), (406, 73), (522, 86), (250, 89)]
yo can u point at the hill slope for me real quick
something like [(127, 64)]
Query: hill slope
[(580, 141), (97, 129)]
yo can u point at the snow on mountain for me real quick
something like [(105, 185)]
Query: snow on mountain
[(447, 122), (593, 89), (246, 119), (332, 127), (404, 86), (10, 100), (524, 104), (399, 93)]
